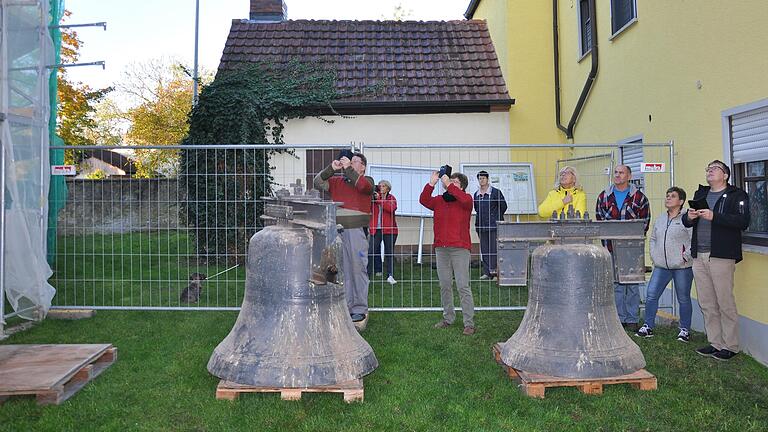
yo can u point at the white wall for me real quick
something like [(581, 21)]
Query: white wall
[(417, 130)]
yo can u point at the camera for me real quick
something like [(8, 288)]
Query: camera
[(445, 170), (377, 189), (345, 153)]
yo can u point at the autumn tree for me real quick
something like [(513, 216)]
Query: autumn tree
[(161, 94), (75, 124)]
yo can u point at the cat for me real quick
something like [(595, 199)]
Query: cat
[(191, 294)]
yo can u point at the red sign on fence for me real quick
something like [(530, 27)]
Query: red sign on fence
[(63, 170), (652, 167)]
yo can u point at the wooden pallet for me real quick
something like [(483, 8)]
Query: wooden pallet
[(534, 385), (353, 390), (51, 373)]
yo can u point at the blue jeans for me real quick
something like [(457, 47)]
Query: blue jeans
[(627, 302), (659, 280)]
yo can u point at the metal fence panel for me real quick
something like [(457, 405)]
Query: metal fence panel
[(125, 243)]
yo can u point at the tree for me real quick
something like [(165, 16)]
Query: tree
[(223, 187), (399, 13), (75, 124), (161, 92)]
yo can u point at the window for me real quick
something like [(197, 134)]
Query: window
[(585, 28), (622, 13), (748, 146), (755, 178)]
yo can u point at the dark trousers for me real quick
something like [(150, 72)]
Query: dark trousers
[(488, 250), (374, 253)]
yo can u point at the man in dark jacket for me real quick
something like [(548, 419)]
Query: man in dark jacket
[(490, 207), (721, 214)]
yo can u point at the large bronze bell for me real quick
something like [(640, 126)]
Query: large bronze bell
[(294, 330), (571, 327)]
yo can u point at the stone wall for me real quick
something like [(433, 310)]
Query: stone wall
[(120, 205)]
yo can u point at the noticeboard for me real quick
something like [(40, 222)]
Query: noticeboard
[(407, 184), (515, 180)]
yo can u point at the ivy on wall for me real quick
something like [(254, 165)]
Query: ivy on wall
[(223, 187)]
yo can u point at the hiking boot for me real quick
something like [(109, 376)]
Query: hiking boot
[(683, 336), (391, 280), (707, 351), (468, 331), (724, 355), (644, 331), (442, 324), (484, 277)]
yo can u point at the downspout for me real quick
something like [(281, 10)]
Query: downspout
[(556, 40), (590, 78)]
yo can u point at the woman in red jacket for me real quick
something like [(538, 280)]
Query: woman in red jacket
[(383, 227)]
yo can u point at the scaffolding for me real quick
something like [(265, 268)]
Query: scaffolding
[(27, 51)]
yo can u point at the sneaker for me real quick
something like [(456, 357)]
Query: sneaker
[(442, 324), (707, 351), (683, 336), (632, 327), (357, 317), (644, 331), (378, 274), (391, 280), (484, 277), (468, 331), (724, 355)]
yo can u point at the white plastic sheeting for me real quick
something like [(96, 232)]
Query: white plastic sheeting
[(26, 51)]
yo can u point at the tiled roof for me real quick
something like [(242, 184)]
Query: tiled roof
[(438, 62)]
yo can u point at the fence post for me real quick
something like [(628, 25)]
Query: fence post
[(2, 241)]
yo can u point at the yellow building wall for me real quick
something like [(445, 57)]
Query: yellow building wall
[(668, 77), (522, 30)]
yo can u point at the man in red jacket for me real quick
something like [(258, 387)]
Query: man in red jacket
[(452, 212), (346, 181)]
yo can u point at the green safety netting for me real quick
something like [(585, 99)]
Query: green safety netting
[(57, 194)]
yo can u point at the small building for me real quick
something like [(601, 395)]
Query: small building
[(111, 163), (436, 83)]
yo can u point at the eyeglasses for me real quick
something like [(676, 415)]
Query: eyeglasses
[(712, 168)]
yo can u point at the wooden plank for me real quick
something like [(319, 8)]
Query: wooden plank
[(25, 369), (353, 391)]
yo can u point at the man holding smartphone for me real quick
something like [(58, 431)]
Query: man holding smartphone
[(346, 181), (452, 244), (721, 213)]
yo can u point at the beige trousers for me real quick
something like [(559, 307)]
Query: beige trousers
[(454, 263), (714, 286)]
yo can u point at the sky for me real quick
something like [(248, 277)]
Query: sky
[(139, 30)]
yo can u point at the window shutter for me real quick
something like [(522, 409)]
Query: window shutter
[(749, 135), (632, 157)]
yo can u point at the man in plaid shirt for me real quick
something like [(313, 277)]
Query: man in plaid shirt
[(624, 201)]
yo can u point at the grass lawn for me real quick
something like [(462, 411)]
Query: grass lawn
[(428, 379), (151, 269)]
